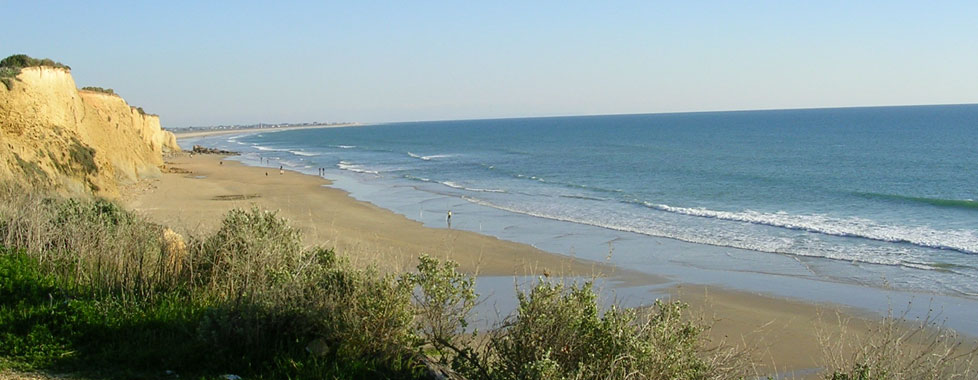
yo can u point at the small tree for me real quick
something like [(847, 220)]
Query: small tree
[(444, 298)]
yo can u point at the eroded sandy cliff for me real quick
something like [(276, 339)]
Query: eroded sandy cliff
[(75, 141)]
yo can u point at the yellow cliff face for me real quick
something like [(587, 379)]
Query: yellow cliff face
[(80, 142)]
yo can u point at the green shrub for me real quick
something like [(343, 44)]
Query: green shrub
[(142, 111), (373, 318), (22, 60), (7, 76), (99, 89), (253, 255), (559, 332), (8, 72), (269, 293), (444, 300)]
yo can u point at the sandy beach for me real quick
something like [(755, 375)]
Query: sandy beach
[(197, 190)]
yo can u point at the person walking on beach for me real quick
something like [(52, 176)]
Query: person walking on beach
[(281, 170), (449, 219)]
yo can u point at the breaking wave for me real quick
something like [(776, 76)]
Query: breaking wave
[(956, 240), (343, 165), (478, 190)]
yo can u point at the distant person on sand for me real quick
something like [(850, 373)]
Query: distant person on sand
[(449, 219), (281, 170)]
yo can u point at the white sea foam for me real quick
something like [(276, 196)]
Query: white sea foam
[(265, 148), (958, 240), (584, 197), (735, 238), (429, 158), (533, 177), (346, 146), (475, 189), (301, 153), (422, 179), (343, 165), (452, 185)]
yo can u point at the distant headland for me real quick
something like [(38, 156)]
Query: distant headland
[(260, 127)]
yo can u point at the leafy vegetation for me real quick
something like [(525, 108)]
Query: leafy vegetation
[(99, 89), (142, 111), (94, 288), (88, 287), (31, 170), (7, 76), (23, 60), (83, 156)]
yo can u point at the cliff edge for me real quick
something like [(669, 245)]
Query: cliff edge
[(56, 136)]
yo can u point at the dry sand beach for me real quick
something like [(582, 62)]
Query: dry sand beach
[(197, 190)]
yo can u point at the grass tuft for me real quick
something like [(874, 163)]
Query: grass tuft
[(898, 348)]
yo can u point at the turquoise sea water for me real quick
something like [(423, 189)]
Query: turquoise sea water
[(885, 197)]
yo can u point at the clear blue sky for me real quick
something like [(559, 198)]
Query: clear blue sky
[(209, 62)]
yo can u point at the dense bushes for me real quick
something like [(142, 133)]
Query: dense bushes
[(249, 296), (559, 332), (23, 60), (88, 286)]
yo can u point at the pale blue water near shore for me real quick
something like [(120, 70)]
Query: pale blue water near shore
[(803, 203)]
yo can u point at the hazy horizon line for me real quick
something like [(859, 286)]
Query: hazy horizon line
[(606, 114)]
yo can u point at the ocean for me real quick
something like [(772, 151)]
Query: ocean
[(881, 197)]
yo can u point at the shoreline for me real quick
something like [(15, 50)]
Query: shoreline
[(197, 191), (193, 196), (215, 132)]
